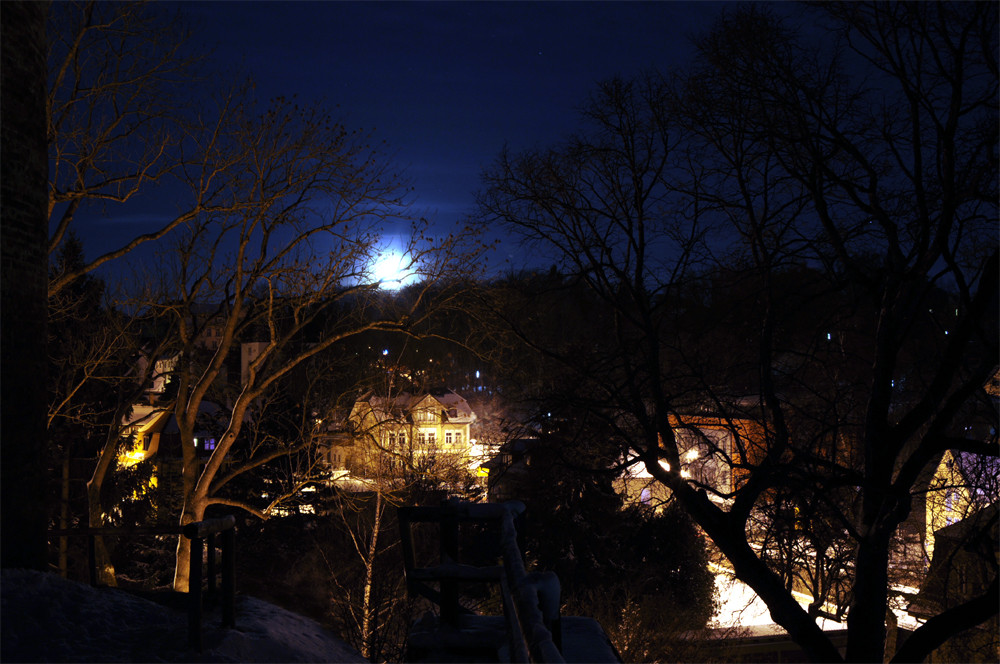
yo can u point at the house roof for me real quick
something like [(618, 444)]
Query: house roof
[(403, 403)]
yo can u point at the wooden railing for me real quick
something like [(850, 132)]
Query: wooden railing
[(203, 536), (530, 601)]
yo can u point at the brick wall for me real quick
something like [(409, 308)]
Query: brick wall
[(23, 283)]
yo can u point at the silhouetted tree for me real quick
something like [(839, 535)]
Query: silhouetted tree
[(867, 153)]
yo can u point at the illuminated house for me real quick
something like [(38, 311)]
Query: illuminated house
[(406, 431), (714, 451), (154, 433), (144, 426), (163, 367)]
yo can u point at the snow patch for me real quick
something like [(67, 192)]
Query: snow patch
[(49, 619)]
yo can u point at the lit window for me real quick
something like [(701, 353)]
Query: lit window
[(210, 443)]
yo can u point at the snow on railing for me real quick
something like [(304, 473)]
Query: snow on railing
[(530, 600)]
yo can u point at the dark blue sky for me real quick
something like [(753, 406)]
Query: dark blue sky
[(448, 84)]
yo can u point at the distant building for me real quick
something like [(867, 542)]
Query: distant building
[(249, 352), (714, 451), (163, 369), (404, 431), (509, 471), (209, 321), (963, 567), (153, 431)]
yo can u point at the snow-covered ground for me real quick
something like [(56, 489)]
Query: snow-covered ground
[(48, 619), (740, 607)]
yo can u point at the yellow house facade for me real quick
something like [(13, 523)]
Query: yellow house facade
[(410, 430), (948, 500)]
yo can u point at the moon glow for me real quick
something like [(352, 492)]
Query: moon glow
[(392, 270)]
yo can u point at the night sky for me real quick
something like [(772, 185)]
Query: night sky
[(446, 85)]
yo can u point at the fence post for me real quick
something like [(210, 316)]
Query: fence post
[(194, 594), (449, 553), (92, 558), (210, 550), (229, 577)]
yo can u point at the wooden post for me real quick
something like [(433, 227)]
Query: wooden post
[(449, 554), (194, 594), (229, 577), (210, 550), (92, 558), (405, 533)]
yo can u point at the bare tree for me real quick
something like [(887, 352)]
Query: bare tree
[(388, 469), (285, 264), (93, 385), (865, 158), (116, 116)]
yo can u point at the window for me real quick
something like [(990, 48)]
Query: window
[(145, 443), (951, 507), (392, 440), (210, 443), (447, 438), (402, 439), (430, 438), (458, 437), (422, 438)]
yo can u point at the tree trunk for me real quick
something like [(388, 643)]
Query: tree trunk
[(866, 618), (193, 503), (193, 510), (105, 568), (95, 509), (367, 612)]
